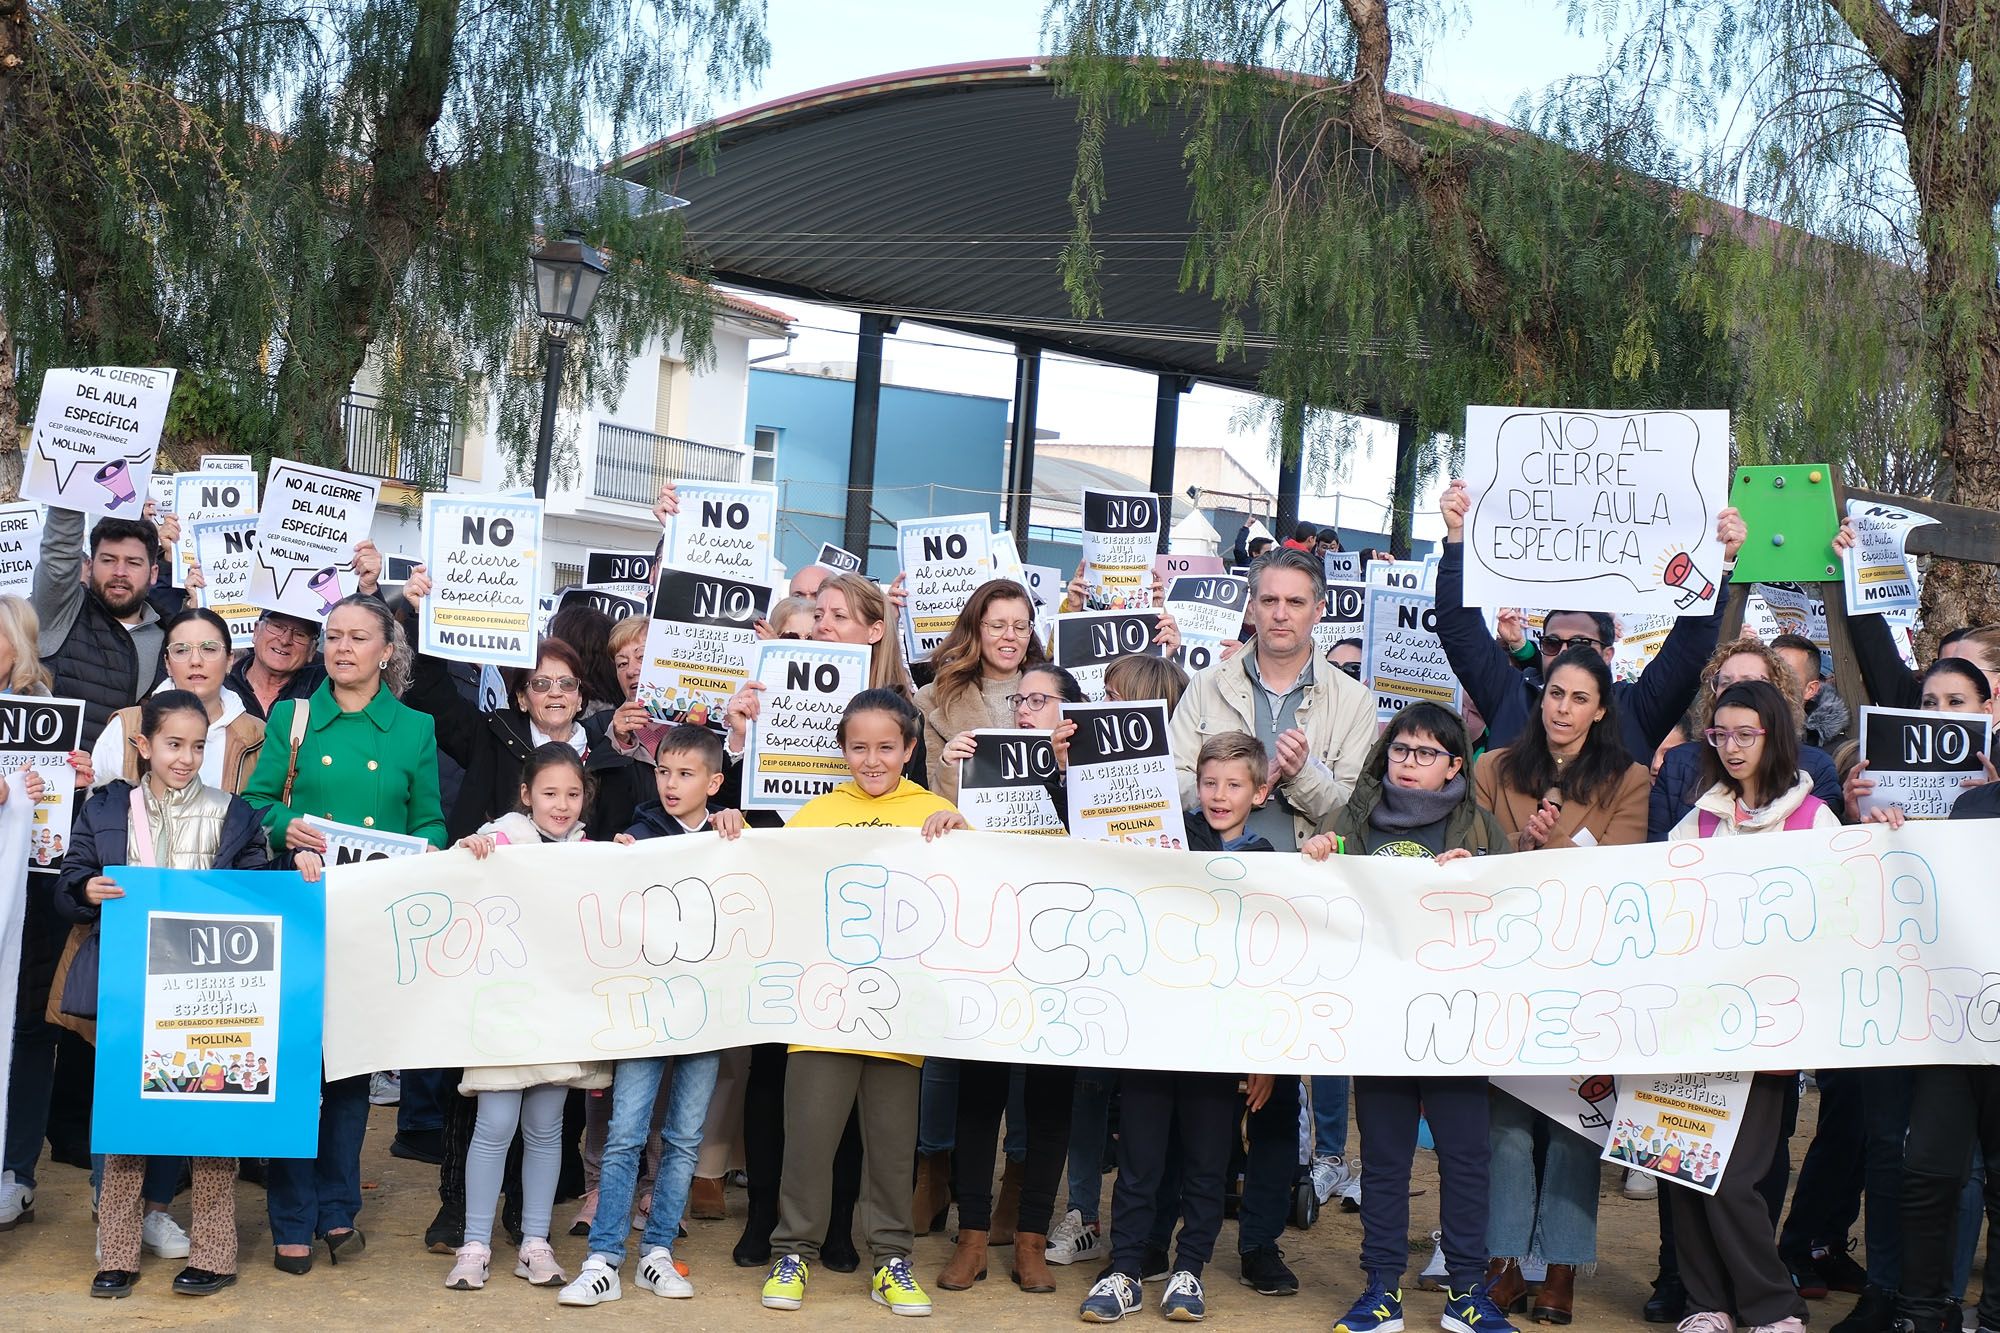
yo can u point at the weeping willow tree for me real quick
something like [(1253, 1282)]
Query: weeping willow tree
[(272, 196)]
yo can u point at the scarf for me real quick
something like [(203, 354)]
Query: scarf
[(1413, 807)]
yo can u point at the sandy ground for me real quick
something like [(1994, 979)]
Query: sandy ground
[(396, 1285)]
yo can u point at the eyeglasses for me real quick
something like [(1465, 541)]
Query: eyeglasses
[(1351, 668), (1556, 647), (1019, 628), (1036, 700), (1720, 682), (279, 630), (1732, 738), (181, 652), (1423, 756), (555, 684)]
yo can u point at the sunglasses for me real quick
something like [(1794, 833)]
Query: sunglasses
[(553, 684), (1556, 647)]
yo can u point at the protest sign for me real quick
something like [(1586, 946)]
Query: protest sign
[(97, 434), (1580, 1102), (1088, 642), (1679, 1127), (792, 753), (614, 601), (1004, 786), (208, 1016), (492, 690), (1209, 610), (226, 550), (699, 645), (1121, 776), (838, 559), (1121, 531), (1619, 508), (1800, 950), (20, 548), (944, 561), (347, 844), (227, 463), (39, 733), (1401, 657), (396, 569), (1790, 609), (484, 554), (1344, 618), (1640, 639), (1918, 760), (1006, 557), (603, 568), (1877, 570), (724, 527), (160, 491), (310, 523), (1167, 568), (1341, 566), (202, 497)]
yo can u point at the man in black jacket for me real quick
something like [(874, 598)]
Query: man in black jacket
[(100, 636)]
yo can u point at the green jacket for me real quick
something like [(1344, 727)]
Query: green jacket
[(376, 768), (1469, 826)]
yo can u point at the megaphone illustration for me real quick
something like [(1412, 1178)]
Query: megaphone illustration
[(116, 478), (1694, 585), (327, 584)]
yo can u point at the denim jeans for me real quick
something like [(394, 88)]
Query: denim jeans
[(31, 1081), (1270, 1166), (1885, 1115), (1554, 1216), (422, 1104), (1089, 1134), (937, 1107), (163, 1177), (635, 1084), (1329, 1106), (310, 1196)]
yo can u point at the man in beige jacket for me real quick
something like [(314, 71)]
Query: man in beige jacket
[(1316, 722)]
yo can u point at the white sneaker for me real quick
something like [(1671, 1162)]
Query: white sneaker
[(658, 1275), (1640, 1185), (596, 1282), (1074, 1239), (536, 1262), (385, 1088), (17, 1204), (1334, 1178), (1434, 1274), (469, 1268), (163, 1236)]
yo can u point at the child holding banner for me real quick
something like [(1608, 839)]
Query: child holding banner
[(555, 790), (878, 735), (172, 820)]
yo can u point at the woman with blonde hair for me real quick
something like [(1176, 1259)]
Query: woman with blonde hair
[(20, 628)]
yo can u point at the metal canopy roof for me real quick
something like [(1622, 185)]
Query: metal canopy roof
[(943, 195)]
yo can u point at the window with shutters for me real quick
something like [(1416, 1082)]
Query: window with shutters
[(567, 576)]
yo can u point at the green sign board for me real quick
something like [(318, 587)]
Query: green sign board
[(1792, 519)]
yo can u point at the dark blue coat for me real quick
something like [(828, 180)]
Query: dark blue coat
[(1679, 785), (98, 839)]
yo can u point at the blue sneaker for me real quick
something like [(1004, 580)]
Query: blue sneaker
[(1182, 1298), (1473, 1312), (1114, 1297), (1378, 1310)]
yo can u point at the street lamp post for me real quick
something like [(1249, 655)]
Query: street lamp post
[(567, 276)]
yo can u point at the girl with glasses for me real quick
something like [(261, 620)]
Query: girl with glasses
[(197, 651)]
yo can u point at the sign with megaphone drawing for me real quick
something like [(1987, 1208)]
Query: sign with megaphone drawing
[(97, 432), (307, 530)]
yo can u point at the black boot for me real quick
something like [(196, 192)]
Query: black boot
[(1668, 1303), (1875, 1312), (447, 1230), (837, 1251), (753, 1250)]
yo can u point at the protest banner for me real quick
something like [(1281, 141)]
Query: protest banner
[(1344, 618), (347, 844), (1209, 610), (20, 548), (1004, 786), (1679, 1127), (1877, 570), (208, 1015), (699, 645), (944, 560), (1856, 947), (226, 550), (724, 527), (484, 554), (1167, 568), (1618, 508), (1122, 786), (96, 437), (838, 559), (311, 520), (1580, 1102), (39, 733), (1121, 531), (1401, 657), (1919, 760), (614, 601), (792, 753), (202, 497), (1088, 642), (608, 568)]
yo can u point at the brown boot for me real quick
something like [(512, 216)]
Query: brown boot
[(1031, 1268), (1007, 1205), (967, 1264), (1506, 1287), (705, 1199), (1557, 1298), (933, 1191)]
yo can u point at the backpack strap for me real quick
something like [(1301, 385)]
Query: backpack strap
[(301, 715), (1706, 822)]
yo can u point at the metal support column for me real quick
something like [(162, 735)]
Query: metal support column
[(1291, 464), (861, 436), (1166, 435), (1403, 500), (1020, 499)]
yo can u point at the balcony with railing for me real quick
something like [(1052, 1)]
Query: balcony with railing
[(418, 452), (632, 464)]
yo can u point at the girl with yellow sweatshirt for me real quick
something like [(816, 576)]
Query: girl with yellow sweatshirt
[(878, 734)]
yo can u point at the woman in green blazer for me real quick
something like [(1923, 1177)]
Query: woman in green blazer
[(365, 759)]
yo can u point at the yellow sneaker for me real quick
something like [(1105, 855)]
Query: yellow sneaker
[(896, 1287), (785, 1288)]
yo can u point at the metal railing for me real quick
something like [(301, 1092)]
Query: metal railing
[(419, 453), (632, 463)]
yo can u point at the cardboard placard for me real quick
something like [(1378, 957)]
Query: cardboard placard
[(39, 733), (1121, 532), (202, 497), (1088, 642), (226, 550), (601, 568), (1402, 659), (311, 521), (20, 548), (484, 554), (351, 844), (944, 560), (699, 645), (1877, 570), (1004, 786), (792, 753), (616, 602), (838, 559), (1344, 618), (725, 528), (97, 434), (1679, 1127), (1122, 786), (1920, 760)]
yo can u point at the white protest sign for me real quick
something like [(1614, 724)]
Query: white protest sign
[(492, 690), (1121, 531), (1341, 566), (97, 433), (1580, 1102), (1877, 571), (348, 844), (20, 547), (1088, 642), (944, 560), (1401, 657), (1344, 617), (1618, 508), (1640, 639), (310, 523), (484, 555), (39, 733), (1006, 557), (1209, 609), (699, 645), (1792, 610), (160, 490), (1004, 786), (226, 550), (726, 528), (1919, 760), (1122, 786), (1167, 568), (792, 753), (838, 559), (1679, 1127), (227, 463), (619, 571), (200, 497)]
